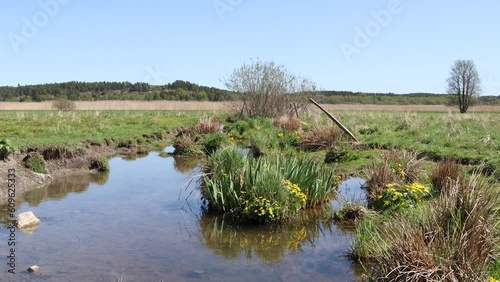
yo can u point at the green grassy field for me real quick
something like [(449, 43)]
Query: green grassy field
[(39, 128), (469, 138)]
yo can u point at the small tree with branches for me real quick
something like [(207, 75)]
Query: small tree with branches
[(464, 83), (269, 90)]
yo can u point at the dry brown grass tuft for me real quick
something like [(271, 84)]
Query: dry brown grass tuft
[(320, 138), (409, 161), (453, 238), (208, 125), (287, 123), (378, 177), (396, 166), (443, 173)]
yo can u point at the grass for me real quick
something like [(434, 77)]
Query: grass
[(471, 138), (36, 163), (39, 128), (265, 189), (451, 238)]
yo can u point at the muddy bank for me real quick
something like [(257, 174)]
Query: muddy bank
[(60, 161)]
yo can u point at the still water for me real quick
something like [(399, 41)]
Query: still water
[(141, 223)]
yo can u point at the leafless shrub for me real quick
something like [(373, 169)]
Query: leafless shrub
[(63, 105), (270, 90)]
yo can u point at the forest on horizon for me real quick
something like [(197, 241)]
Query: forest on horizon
[(180, 90)]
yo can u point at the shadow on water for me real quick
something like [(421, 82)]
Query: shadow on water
[(136, 224)]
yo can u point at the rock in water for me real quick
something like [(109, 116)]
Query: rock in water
[(33, 268), (27, 221)]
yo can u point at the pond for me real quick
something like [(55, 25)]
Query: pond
[(141, 223)]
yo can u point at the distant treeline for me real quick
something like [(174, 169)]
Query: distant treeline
[(186, 91), (348, 97), (94, 91)]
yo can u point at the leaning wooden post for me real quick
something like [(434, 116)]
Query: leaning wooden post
[(335, 120)]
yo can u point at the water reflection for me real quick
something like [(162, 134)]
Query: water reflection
[(185, 164), (138, 227), (268, 243), (61, 187), (55, 190)]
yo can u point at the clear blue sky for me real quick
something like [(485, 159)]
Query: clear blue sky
[(371, 46)]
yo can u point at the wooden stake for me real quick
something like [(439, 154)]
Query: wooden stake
[(335, 120)]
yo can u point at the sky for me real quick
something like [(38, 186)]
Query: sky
[(397, 46)]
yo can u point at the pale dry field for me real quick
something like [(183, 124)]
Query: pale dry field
[(220, 106), (123, 105)]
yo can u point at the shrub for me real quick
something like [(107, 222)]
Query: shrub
[(63, 105), (208, 125), (6, 148)]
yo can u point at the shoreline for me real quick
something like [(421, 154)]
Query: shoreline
[(60, 162)]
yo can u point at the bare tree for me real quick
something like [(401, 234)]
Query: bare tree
[(269, 90), (464, 83)]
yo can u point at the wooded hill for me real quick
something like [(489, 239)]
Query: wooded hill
[(187, 91)]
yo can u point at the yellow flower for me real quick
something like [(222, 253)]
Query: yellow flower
[(386, 203), (280, 134), (271, 211), (265, 165), (493, 279)]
